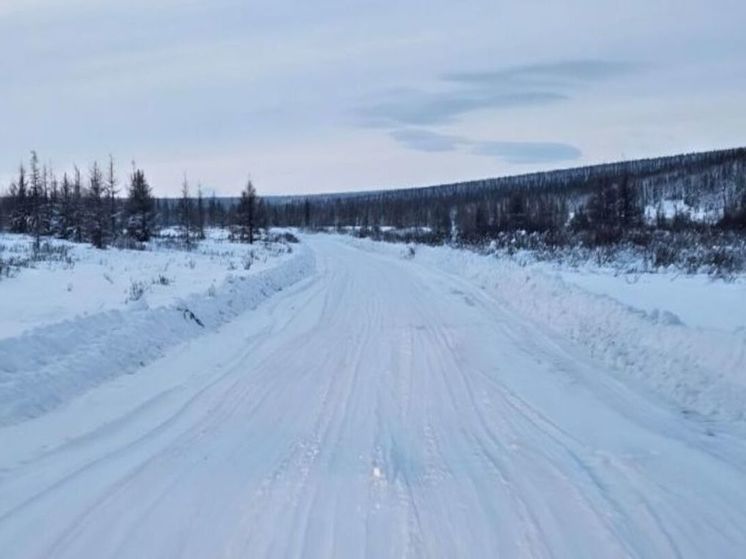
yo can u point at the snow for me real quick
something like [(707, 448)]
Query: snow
[(389, 403), (76, 345), (686, 345), (671, 208), (96, 281), (668, 208), (697, 300)]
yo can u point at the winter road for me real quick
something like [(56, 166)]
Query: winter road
[(377, 409)]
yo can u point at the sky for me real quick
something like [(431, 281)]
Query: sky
[(342, 95)]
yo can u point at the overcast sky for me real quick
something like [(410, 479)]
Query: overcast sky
[(326, 95)]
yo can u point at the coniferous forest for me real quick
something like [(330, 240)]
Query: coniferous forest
[(670, 206), (96, 207), (605, 200)]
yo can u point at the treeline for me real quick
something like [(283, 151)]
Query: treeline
[(594, 205), (604, 201), (94, 209), (244, 215), (78, 208)]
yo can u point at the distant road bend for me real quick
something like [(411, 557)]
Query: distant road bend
[(379, 408)]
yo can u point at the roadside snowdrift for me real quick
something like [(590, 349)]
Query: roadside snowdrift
[(703, 371), (49, 365)]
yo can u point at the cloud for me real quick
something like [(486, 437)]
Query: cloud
[(558, 74), (466, 92), (425, 140), (420, 108), (510, 152), (528, 152)]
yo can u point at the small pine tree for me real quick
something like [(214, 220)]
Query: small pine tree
[(246, 213), (140, 208)]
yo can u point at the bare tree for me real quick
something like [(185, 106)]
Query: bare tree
[(185, 213), (111, 197), (77, 213), (200, 213), (36, 200), (96, 221)]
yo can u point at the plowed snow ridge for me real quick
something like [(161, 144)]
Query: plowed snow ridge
[(49, 365)]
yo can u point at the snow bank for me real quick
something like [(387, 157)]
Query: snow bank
[(698, 300), (46, 366), (702, 370)]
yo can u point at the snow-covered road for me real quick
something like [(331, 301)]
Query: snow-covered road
[(379, 408)]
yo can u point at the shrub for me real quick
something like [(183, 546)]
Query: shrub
[(136, 291)]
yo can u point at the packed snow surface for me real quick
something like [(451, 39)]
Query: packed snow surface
[(390, 403)]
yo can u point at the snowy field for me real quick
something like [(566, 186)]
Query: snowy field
[(353, 398)]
